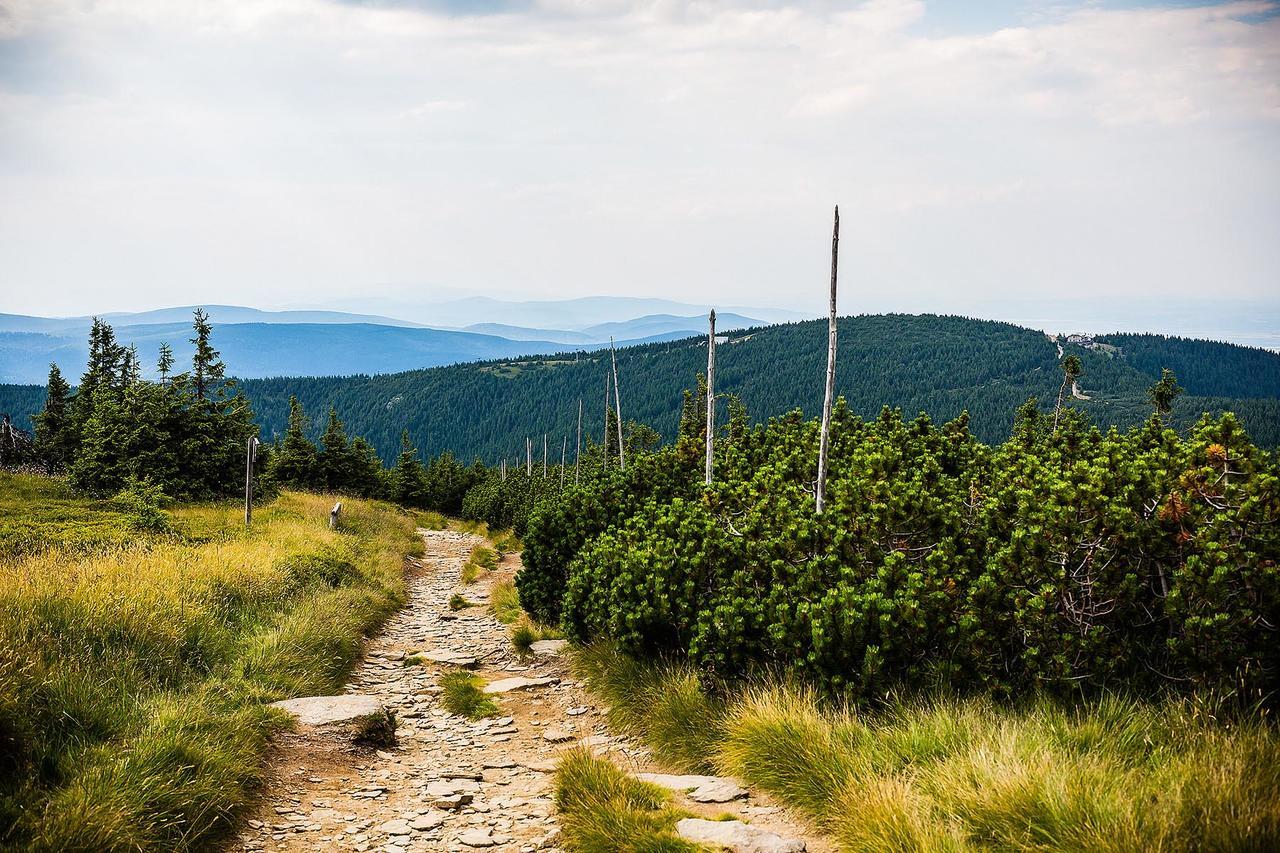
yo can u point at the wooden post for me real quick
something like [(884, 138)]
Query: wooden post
[(711, 394), (250, 457), (825, 440), (577, 449), (617, 401), (528, 457), (605, 444), (564, 450), (333, 515)]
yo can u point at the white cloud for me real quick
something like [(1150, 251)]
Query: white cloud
[(288, 149)]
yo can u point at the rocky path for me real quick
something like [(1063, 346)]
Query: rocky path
[(451, 783)]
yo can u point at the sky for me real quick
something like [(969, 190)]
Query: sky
[(288, 153)]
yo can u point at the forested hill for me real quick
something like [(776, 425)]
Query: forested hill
[(939, 365)]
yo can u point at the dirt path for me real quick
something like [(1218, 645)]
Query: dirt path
[(450, 784)]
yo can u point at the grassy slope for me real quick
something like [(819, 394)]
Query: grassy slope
[(134, 671), (961, 775)]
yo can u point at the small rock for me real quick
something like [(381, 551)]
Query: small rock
[(556, 736), (395, 827)]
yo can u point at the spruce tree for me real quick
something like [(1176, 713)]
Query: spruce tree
[(207, 369), (367, 477), (334, 461), (164, 363), (409, 478), (294, 462), (53, 433)]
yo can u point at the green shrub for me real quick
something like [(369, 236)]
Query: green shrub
[(1065, 558)]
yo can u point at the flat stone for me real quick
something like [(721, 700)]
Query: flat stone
[(719, 791), (548, 648), (556, 736), (518, 682), (395, 827), (736, 836), (427, 821), (477, 838), (324, 710), (447, 656)]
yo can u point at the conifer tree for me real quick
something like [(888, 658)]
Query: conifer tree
[(1163, 393), (207, 369), (334, 460), (409, 478), (294, 463), (164, 363), (53, 434)]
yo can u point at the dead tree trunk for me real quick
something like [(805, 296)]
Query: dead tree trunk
[(711, 394), (825, 440), (528, 457), (577, 449), (564, 451), (605, 444), (617, 401), (544, 456)]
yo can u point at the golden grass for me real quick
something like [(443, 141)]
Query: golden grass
[(951, 774), (133, 675)]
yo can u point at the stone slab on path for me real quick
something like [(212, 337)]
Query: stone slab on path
[(547, 648), (736, 836), (324, 710), (701, 789), (449, 657), (518, 682)]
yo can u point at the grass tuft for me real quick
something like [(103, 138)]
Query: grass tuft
[(483, 559), (463, 695), (377, 730), (526, 632), (603, 810), (457, 602), (505, 602)]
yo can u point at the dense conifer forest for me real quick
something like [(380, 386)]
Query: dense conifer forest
[(938, 365)]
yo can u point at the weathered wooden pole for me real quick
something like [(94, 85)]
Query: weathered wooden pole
[(528, 457), (577, 448), (250, 456), (564, 450), (605, 444), (711, 394), (544, 456), (825, 439), (617, 401)]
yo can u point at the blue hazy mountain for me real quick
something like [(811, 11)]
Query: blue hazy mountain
[(253, 350)]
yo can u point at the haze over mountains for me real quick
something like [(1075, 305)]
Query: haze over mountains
[(312, 342)]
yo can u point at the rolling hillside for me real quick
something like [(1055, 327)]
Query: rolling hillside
[(939, 365)]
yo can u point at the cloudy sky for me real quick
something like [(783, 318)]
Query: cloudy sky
[(292, 152)]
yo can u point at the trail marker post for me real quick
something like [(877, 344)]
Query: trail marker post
[(250, 457)]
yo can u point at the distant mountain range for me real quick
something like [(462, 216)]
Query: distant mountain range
[(258, 343)]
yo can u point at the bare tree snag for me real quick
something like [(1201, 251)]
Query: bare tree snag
[(577, 450), (528, 457), (605, 444), (564, 450), (711, 394), (617, 401), (544, 456), (825, 440)]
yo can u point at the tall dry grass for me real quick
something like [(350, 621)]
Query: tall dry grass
[(961, 774), (134, 676)]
